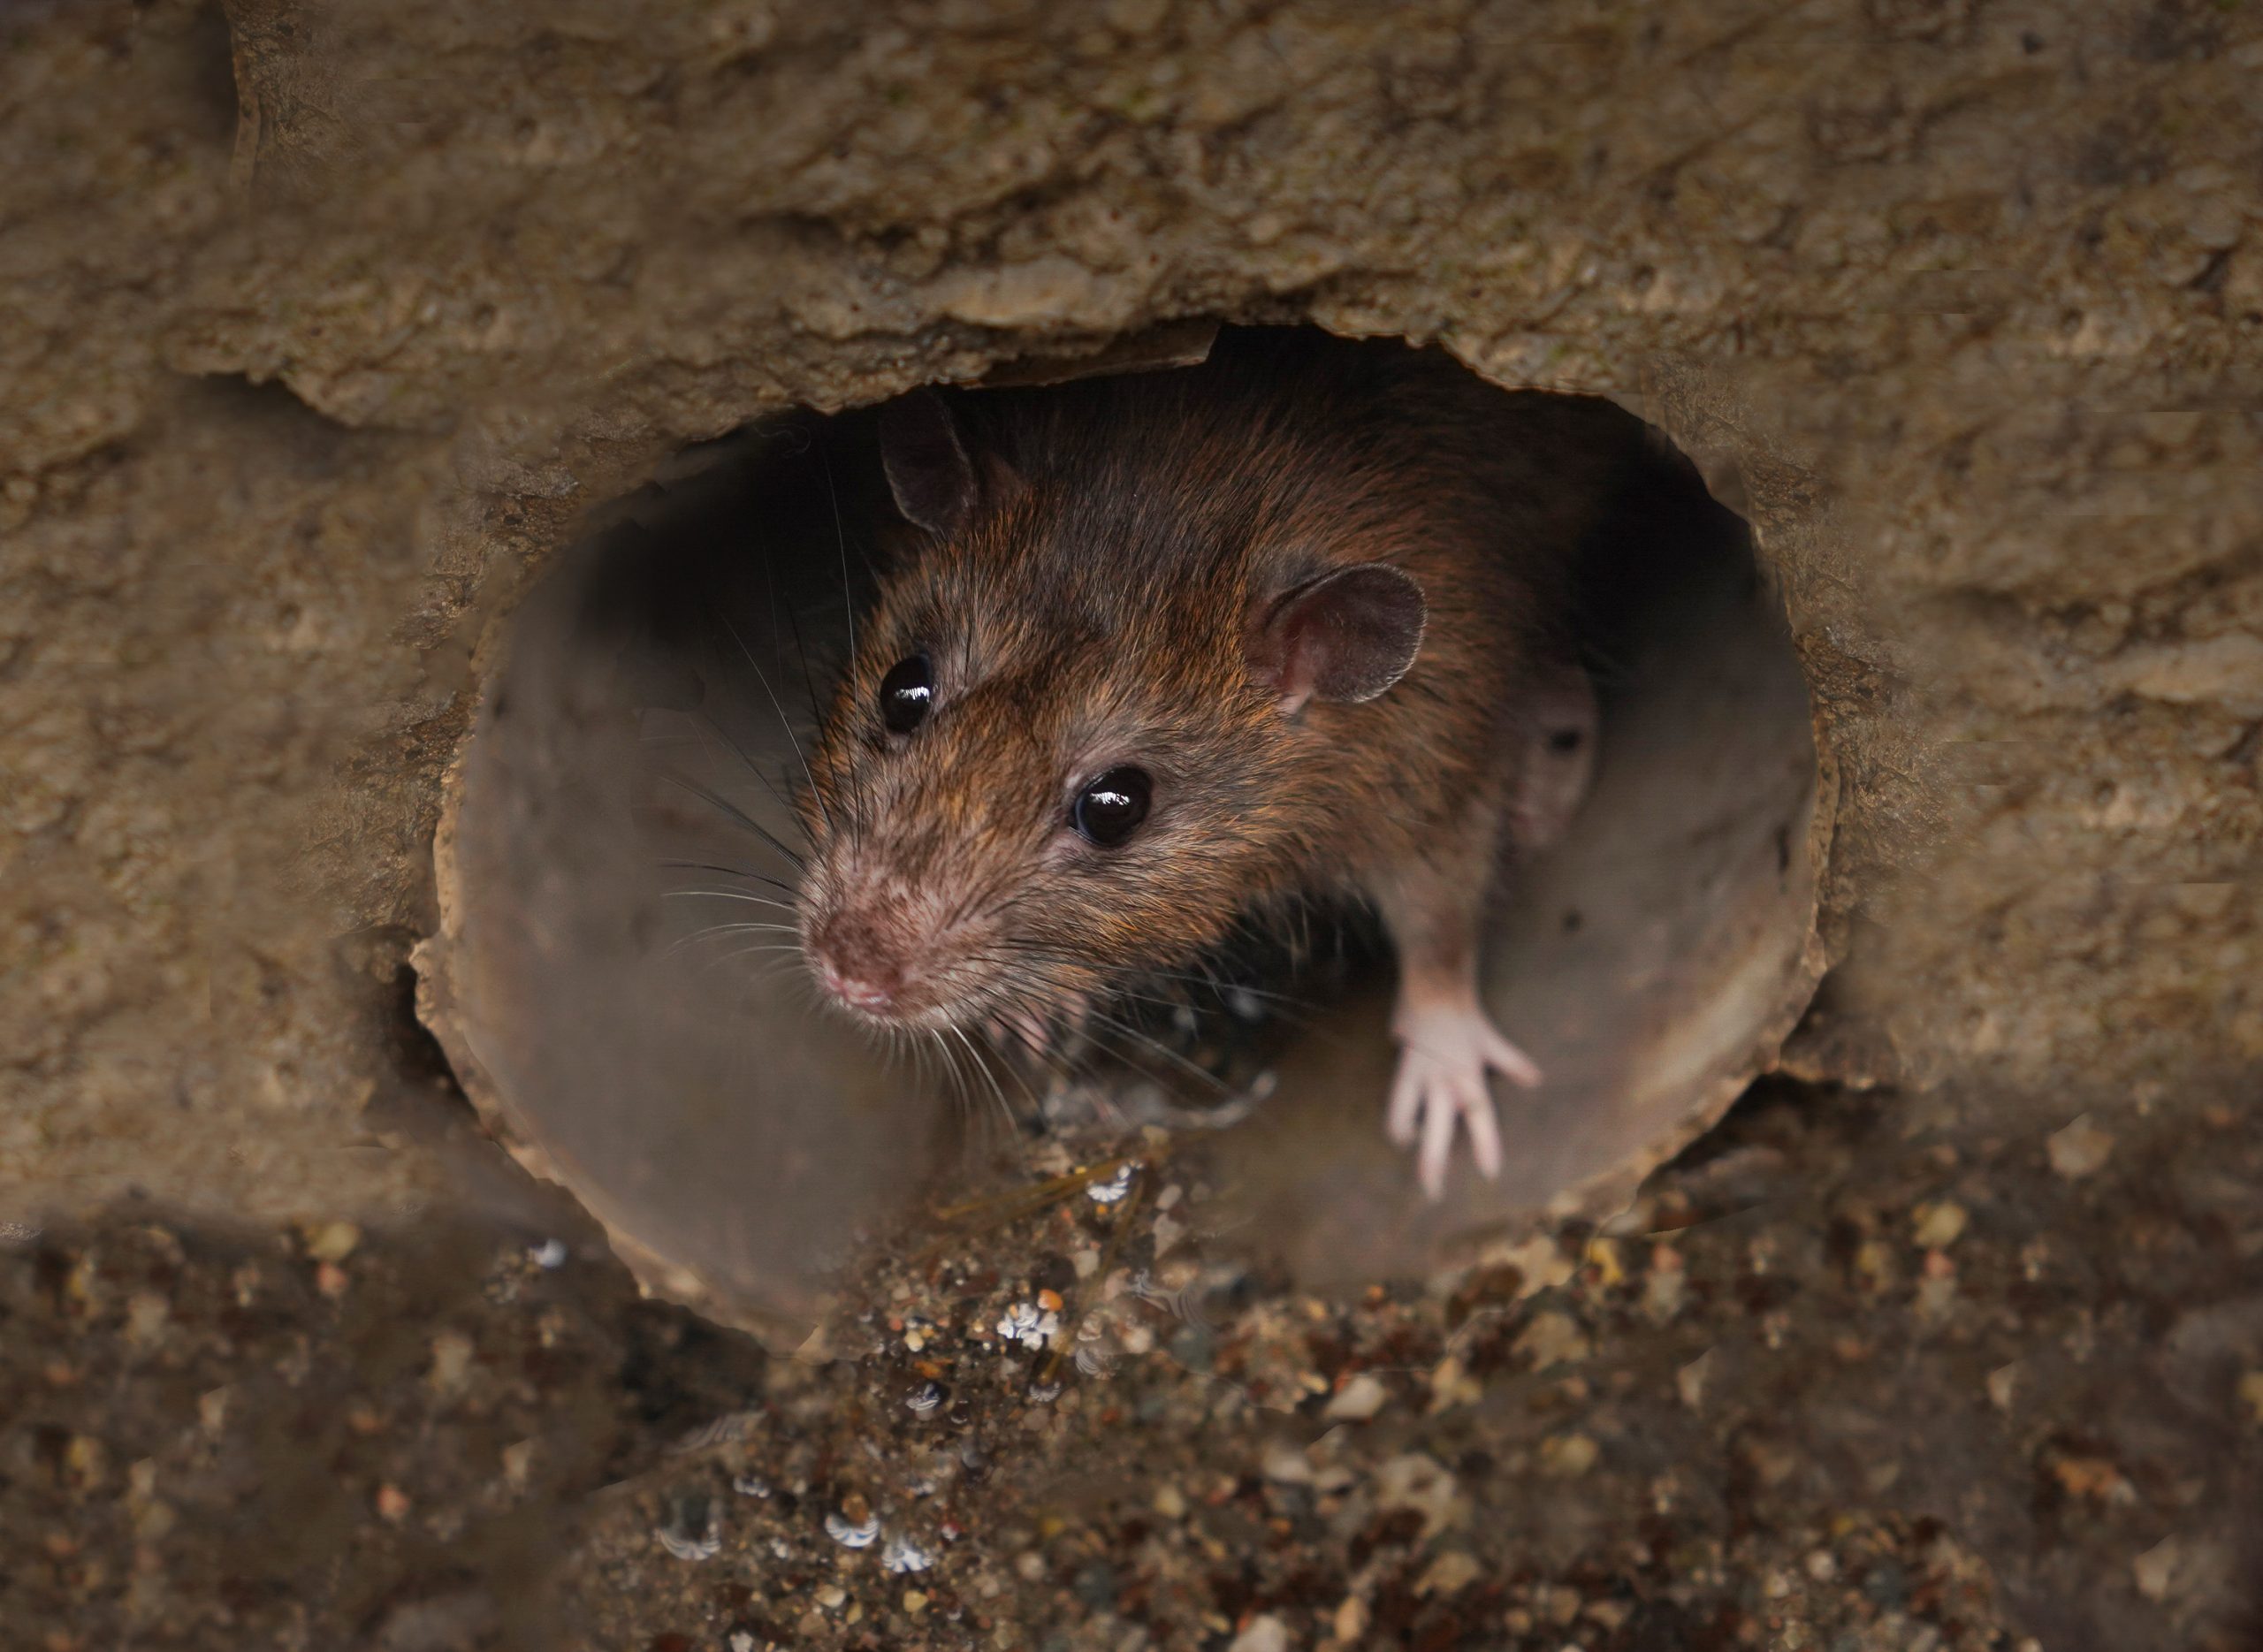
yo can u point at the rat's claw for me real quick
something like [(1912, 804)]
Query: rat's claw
[(1508, 1059), (1441, 1080)]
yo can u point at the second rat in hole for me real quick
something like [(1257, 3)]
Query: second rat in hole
[(1160, 653)]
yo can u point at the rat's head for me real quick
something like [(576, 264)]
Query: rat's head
[(1074, 742)]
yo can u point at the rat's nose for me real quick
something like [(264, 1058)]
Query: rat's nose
[(871, 988), (855, 968)]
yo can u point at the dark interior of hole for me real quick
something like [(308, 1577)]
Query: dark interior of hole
[(767, 541)]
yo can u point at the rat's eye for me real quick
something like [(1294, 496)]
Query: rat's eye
[(906, 693), (1110, 808)]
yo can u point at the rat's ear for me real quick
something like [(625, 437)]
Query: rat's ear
[(927, 466), (1347, 636)]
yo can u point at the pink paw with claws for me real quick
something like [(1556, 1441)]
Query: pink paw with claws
[(1447, 1053)]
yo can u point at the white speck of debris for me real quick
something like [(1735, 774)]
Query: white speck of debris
[(1359, 1399), (924, 1398), (1026, 1323), (742, 1640), (902, 1555), (850, 1535), (1689, 1381), (1113, 1189), (549, 1253), (750, 1486), (1263, 1084), (1246, 1003), (1265, 1633), (19, 1232), (2081, 1149)]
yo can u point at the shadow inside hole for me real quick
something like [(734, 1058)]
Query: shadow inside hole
[(619, 970), (625, 978)]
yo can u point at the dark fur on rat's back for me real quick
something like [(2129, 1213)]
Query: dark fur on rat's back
[(1096, 609)]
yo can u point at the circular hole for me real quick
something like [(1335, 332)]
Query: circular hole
[(619, 976)]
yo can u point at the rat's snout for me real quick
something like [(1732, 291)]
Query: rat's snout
[(859, 962)]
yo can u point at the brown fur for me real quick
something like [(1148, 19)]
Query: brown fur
[(1094, 610)]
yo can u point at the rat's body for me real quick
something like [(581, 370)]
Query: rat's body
[(1296, 616)]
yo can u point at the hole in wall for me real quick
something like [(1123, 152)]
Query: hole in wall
[(620, 983)]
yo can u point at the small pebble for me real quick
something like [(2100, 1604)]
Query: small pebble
[(550, 1254), (2154, 1571), (333, 1241), (1358, 1399), (1937, 1226), (2079, 1150), (1265, 1633), (1449, 1574), (1567, 1456)]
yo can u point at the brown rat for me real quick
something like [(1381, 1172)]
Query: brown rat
[(1170, 650)]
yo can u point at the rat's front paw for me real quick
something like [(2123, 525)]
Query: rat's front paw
[(1441, 1079)]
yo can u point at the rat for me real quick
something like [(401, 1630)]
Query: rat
[(1156, 653)]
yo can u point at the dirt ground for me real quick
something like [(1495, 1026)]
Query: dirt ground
[(1841, 1381)]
